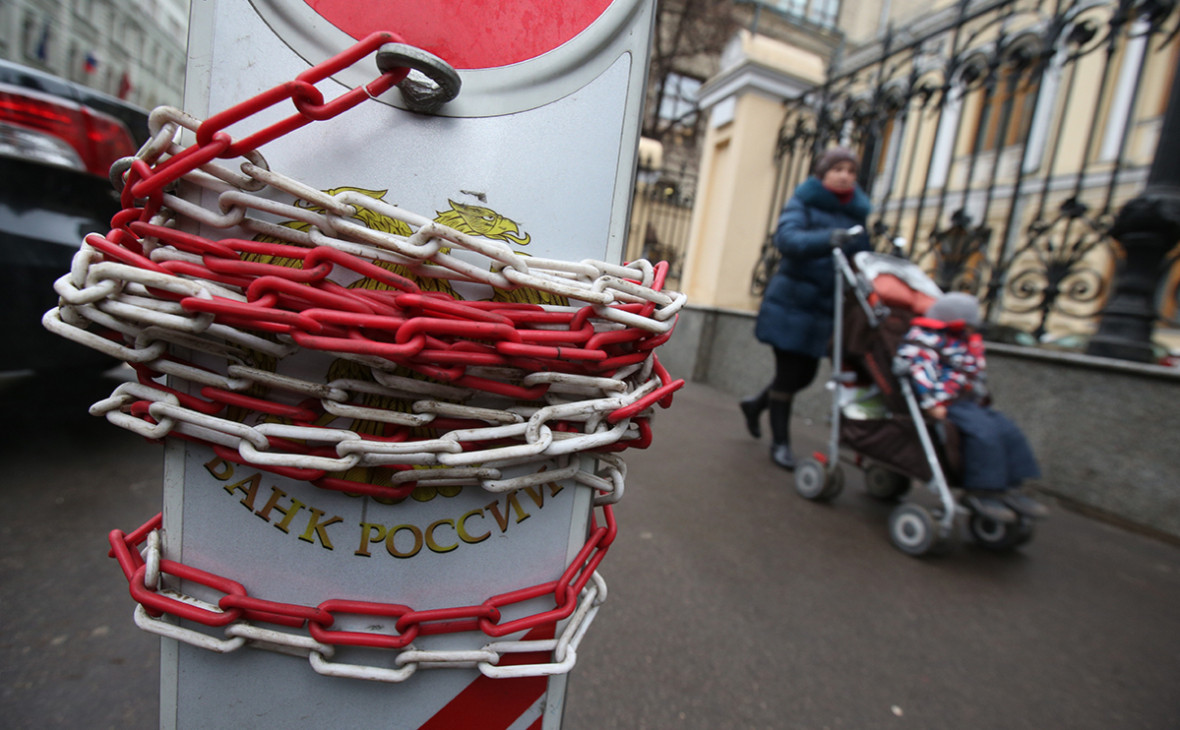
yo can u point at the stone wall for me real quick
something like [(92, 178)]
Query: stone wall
[(1104, 430)]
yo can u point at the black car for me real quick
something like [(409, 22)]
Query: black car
[(57, 142)]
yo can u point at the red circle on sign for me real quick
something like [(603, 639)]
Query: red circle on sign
[(468, 34)]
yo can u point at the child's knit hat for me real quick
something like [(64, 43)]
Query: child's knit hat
[(955, 306)]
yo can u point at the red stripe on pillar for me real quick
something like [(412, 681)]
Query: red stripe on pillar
[(497, 703)]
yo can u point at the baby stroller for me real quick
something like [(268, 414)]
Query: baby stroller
[(876, 416)]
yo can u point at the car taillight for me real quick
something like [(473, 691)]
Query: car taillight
[(97, 139), (109, 141)]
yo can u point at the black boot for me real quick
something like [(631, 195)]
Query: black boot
[(780, 429), (752, 409)]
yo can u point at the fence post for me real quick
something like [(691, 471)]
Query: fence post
[(1148, 227)]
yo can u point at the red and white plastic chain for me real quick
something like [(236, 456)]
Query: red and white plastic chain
[(577, 593), (498, 378)]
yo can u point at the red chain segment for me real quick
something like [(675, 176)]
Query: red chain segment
[(237, 605), (401, 325), (213, 142), (407, 327)]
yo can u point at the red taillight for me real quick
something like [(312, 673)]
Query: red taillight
[(109, 140), (98, 139)]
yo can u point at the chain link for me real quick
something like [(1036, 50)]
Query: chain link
[(577, 594)]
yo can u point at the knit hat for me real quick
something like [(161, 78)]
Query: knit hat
[(955, 306), (830, 157)]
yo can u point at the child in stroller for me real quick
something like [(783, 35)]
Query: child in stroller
[(876, 414), (948, 371)]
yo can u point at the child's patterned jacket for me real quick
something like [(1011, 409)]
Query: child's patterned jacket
[(946, 364)]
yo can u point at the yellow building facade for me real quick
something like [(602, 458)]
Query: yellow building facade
[(999, 139)]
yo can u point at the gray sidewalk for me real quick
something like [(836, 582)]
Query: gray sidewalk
[(732, 602)]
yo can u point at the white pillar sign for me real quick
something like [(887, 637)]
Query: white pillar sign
[(536, 152)]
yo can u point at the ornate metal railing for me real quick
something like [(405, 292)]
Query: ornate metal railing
[(999, 139), (661, 213)]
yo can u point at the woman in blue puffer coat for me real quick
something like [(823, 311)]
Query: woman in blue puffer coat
[(796, 314)]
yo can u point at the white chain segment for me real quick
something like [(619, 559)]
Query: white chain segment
[(254, 446)]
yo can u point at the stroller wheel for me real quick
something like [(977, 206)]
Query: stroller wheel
[(999, 536), (818, 482), (913, 531), (885, 484)]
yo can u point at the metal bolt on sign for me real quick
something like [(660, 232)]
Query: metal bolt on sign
[(440, 378)]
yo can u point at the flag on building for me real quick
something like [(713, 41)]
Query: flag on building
[(90, 64), (125, 85)]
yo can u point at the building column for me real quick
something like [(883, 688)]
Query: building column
[(732, 213)]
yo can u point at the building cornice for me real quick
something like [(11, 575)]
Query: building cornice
[(750, 76)]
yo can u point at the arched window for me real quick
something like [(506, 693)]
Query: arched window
[(1006, 117)]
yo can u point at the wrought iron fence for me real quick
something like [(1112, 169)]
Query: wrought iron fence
[(999, 139), (661, 213)]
